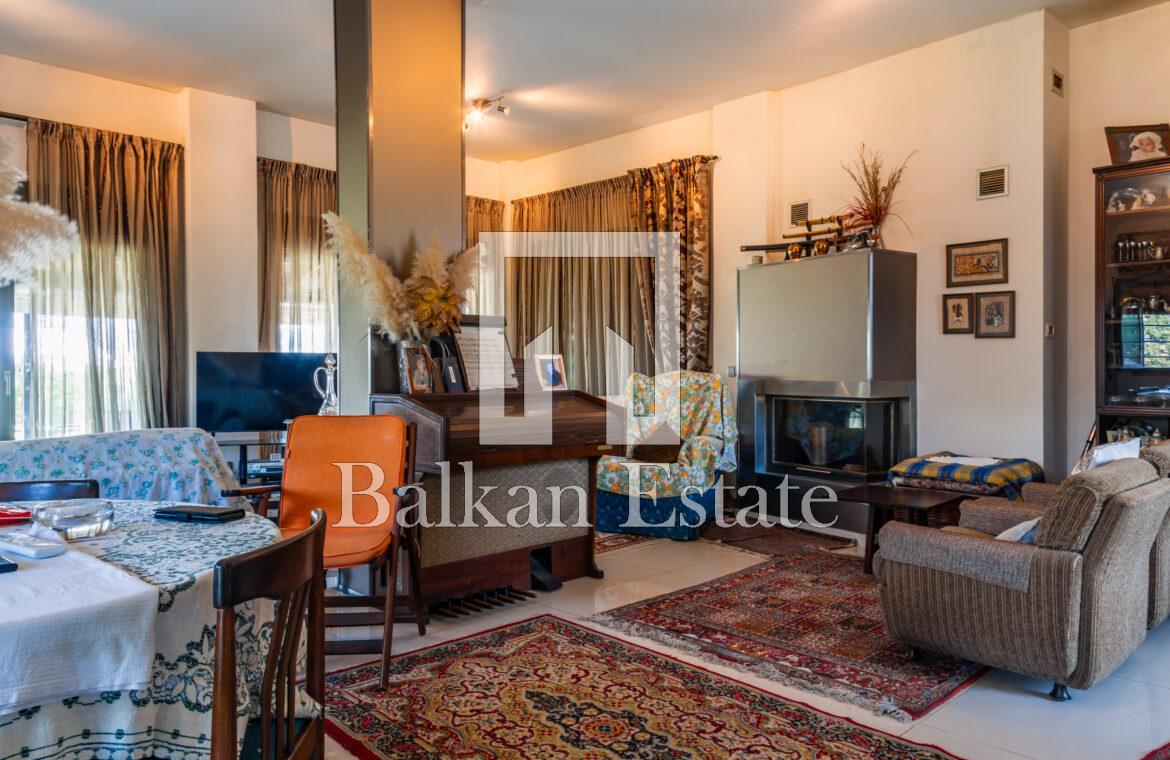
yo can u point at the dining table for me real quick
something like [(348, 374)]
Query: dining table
[(170, 717)]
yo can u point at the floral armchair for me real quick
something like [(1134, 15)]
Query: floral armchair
[(165, 464), (693, 411)]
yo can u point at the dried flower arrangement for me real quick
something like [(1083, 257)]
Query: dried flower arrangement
[(873, 205), (425, 305), (32, 236)]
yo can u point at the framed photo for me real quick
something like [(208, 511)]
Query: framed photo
[(1139, 143), (414, 369), (995, 314), (981, 263), (550, 372), (957, 310)]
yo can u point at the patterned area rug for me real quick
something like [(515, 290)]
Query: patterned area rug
[(811, 620), (550, 688), (775, 542), (605, 543)]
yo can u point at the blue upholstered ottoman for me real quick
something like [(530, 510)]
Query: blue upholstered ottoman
[(669, 516)]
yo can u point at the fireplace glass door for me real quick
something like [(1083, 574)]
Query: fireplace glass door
[(827, 436)]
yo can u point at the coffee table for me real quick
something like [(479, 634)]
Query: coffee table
[(883, 502)]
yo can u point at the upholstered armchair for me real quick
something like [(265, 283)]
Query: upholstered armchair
[(680, 426), (995, 515), (1070, 608)]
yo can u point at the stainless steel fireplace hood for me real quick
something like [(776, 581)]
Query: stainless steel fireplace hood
[(839, 325)]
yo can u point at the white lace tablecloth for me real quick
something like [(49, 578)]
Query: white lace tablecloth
[(171, 718)]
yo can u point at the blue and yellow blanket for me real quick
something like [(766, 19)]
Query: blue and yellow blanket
[(1008, 475)]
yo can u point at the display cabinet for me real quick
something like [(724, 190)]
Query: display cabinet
[(1133, 300)]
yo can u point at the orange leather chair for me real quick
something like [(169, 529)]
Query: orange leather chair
[(313, 479)]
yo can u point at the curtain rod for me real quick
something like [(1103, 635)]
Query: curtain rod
[(13, 116)]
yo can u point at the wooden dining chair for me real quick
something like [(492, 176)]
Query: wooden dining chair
[(48, 490), (318, 448), (291, 573)]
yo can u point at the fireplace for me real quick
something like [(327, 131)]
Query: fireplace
[(826, 375), (832, 437)]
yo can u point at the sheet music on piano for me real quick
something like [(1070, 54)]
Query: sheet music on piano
[(483, 347)]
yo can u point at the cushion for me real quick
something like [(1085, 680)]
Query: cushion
[(1075, 508), (1024, 533), (1108, 452)]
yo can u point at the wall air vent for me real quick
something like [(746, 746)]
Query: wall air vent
[(993, 182), (1058, 83), (798, 214)]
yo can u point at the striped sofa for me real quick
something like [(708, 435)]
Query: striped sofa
[(1069, 609)]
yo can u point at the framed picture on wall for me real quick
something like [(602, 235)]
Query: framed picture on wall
[(1138, 143), (957, 309), (981, 263), (995, 314)]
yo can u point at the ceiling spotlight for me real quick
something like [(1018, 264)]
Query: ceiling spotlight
[(479, 109)]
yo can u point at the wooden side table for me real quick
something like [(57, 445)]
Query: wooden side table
[(885, 501)]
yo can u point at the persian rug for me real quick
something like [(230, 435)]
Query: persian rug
[(811, 620), (550, 688), (604, 543), (774, 542)]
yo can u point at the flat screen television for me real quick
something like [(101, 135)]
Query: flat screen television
[(239, 391)]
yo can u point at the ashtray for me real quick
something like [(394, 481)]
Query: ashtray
[(77, 518)]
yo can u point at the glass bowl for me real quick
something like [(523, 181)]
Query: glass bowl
[(77, 518)]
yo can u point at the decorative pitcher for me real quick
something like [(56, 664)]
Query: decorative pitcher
[(328, 393)]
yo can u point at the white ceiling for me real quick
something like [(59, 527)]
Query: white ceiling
[(573, 71)]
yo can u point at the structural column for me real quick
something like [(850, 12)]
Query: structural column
[(399, 153)]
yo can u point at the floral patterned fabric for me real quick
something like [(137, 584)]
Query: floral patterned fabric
[(696, 406), (173, 464), (171, 718)]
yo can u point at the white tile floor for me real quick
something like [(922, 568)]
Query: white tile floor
[(1002, 716)]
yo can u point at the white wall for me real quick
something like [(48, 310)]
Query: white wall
[(1117, 77), (222, 248), (963, 103), (286, 138), (612, 156), (48, 92), (482, 179), (742, 135)]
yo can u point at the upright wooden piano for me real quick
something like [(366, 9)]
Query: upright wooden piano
[(460, 561)]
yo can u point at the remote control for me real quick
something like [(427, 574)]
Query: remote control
[(29, 546)]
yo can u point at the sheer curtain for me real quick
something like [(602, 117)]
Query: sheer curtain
[(298, 277), (105, 330), (482, 215), (578, 297)]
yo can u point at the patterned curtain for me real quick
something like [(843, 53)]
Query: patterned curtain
[(676, 197), (482, 215), (298, 278), (106, 342)]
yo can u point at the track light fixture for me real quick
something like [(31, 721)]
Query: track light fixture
[(480, 107)]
